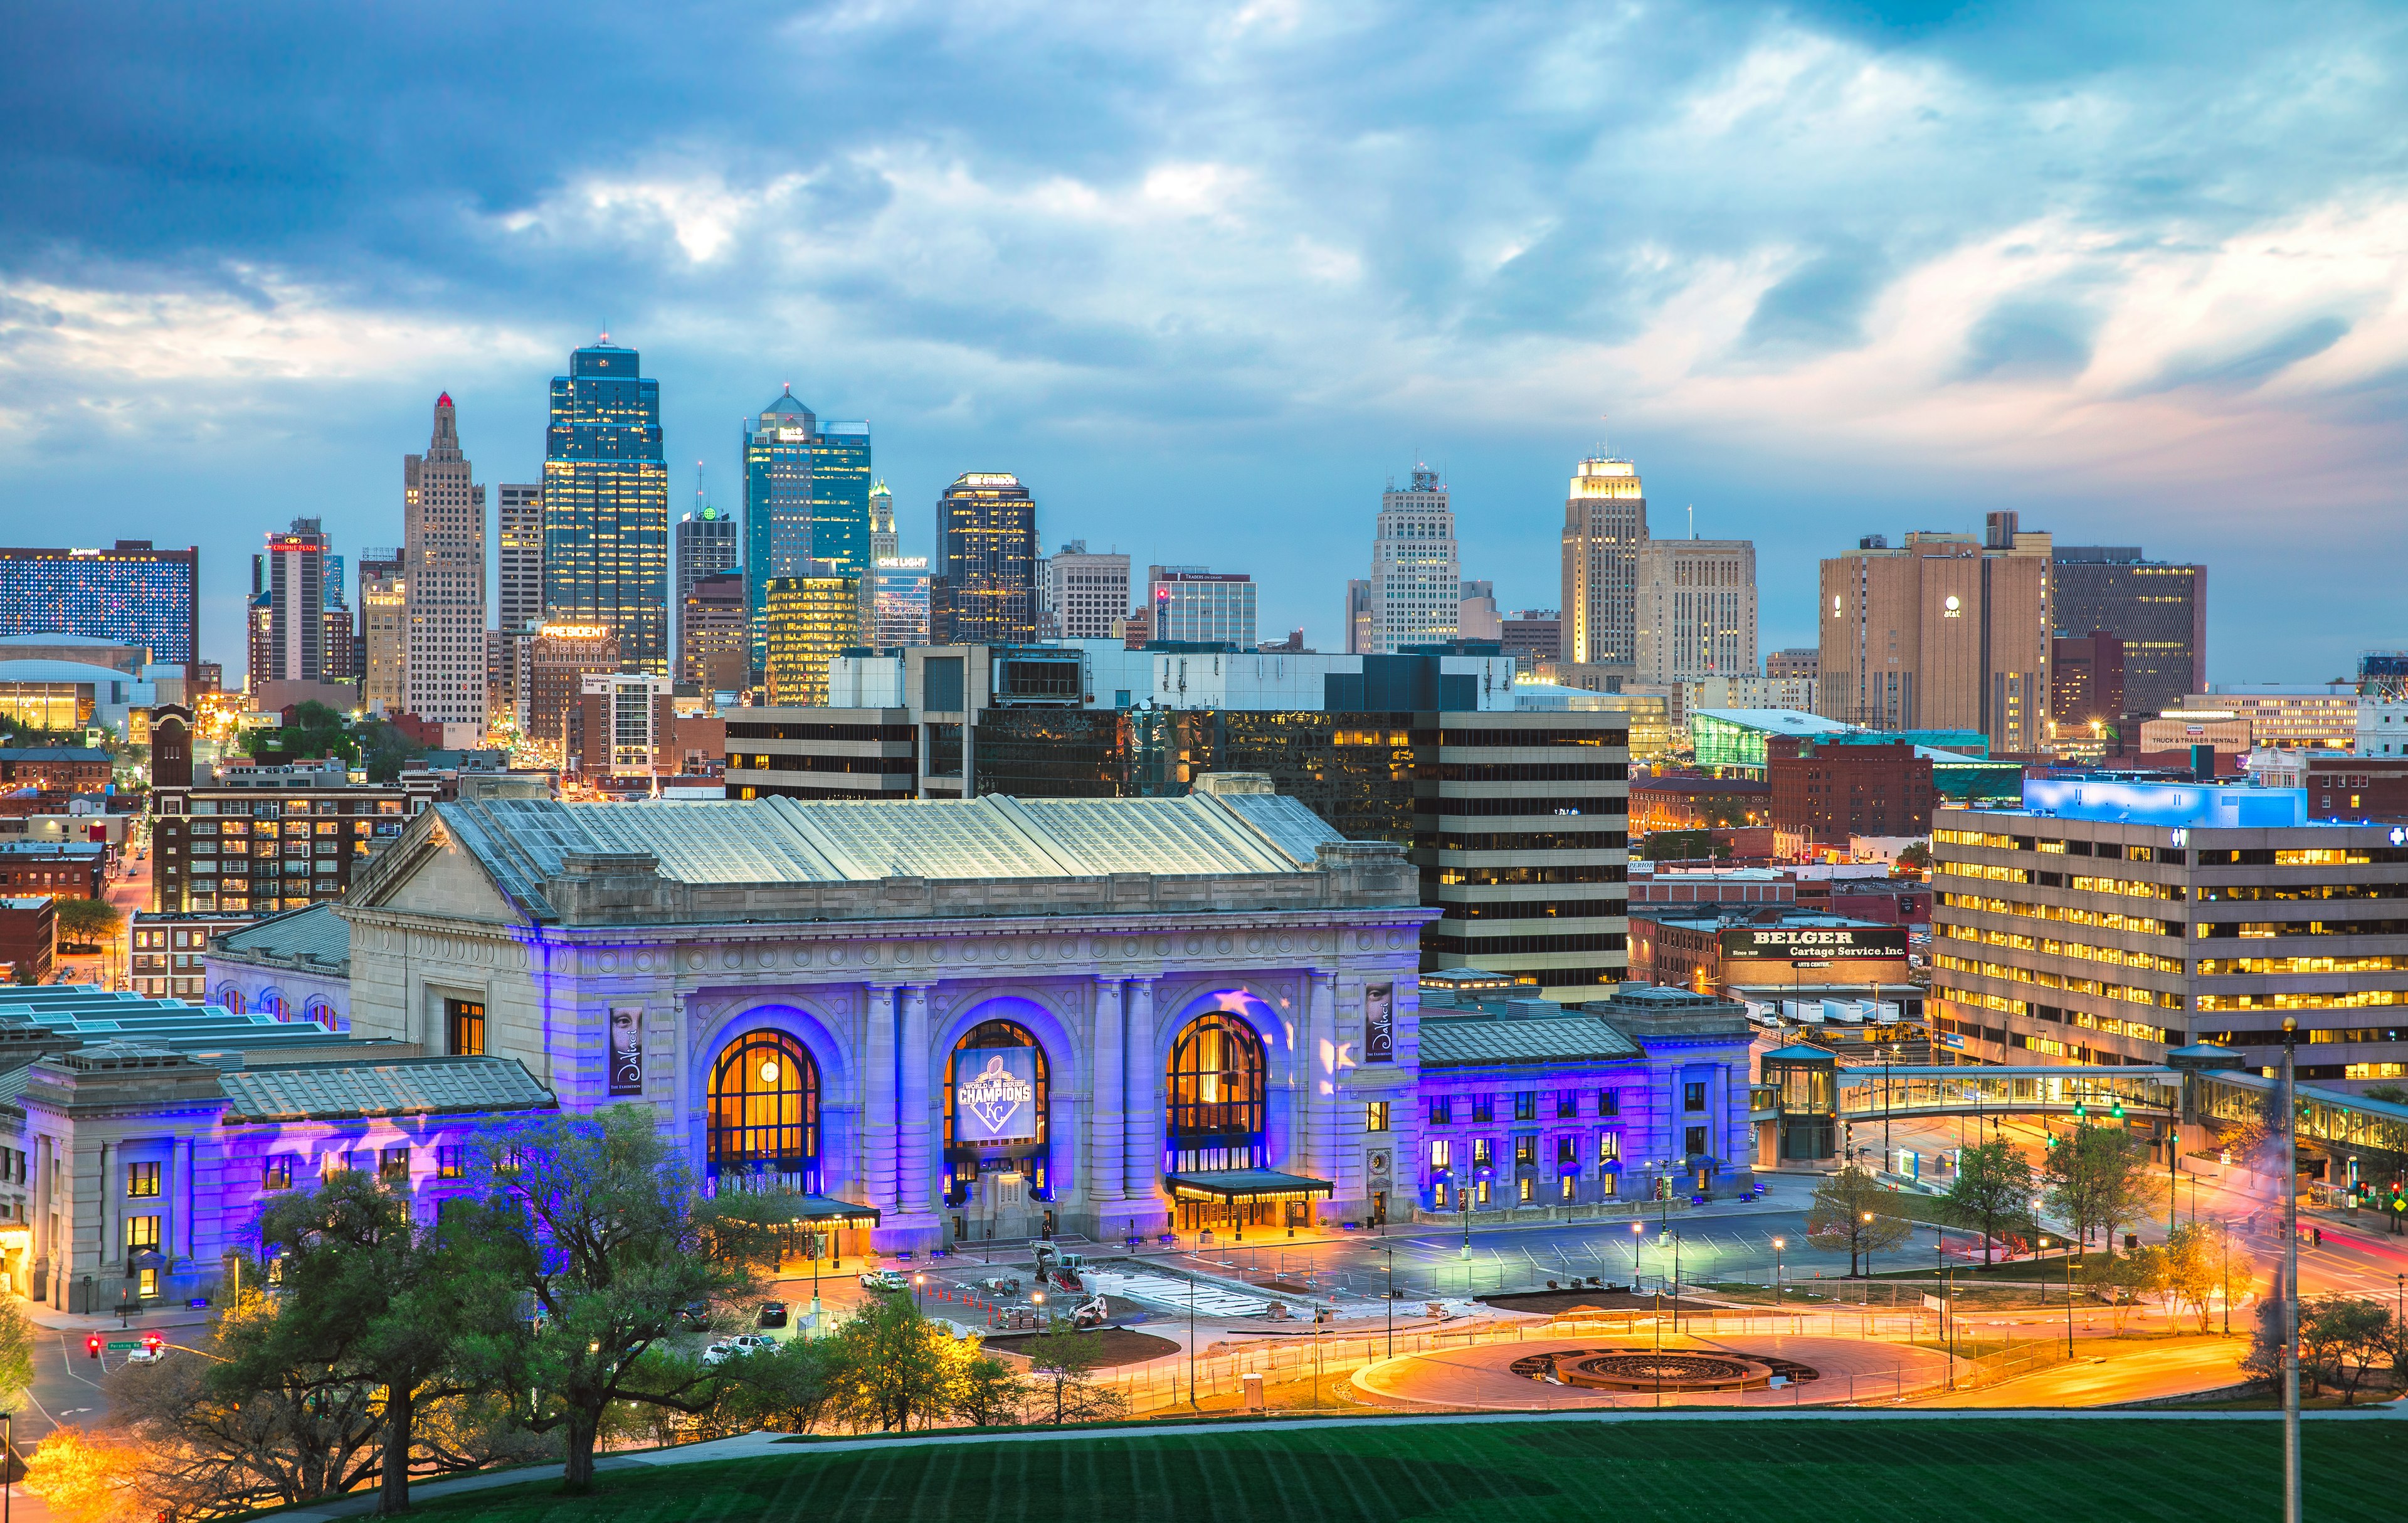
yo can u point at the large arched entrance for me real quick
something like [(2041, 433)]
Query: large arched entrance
[(764, 1115), (1217, 1088), (998, 1165)]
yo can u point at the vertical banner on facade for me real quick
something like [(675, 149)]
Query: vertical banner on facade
[(626, 1049), (995, 1095), (1378, 1023)]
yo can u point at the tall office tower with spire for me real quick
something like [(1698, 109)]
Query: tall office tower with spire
[(1605, 522), (806, 499), (884, 544), (984, 589), (606, 505), (1416, 576), (443, 568)]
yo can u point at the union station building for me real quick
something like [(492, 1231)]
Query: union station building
[(922, 1022)]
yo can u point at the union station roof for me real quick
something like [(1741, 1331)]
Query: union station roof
[(787, 841)]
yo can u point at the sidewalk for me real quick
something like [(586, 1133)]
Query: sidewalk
[(162, 1318)]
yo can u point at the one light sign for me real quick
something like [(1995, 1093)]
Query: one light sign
[(995, 1095)]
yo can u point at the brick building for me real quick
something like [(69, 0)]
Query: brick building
[(169, 952), (1827, 792), (71, 768), (76, 869), (29, 936)]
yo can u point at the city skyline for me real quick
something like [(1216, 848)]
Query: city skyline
[(1807, 345)]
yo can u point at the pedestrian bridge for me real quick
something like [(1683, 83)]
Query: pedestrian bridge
[(1870, 1093), (2338, 1121)]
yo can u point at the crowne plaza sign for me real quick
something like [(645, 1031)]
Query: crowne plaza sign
[(1836, 943)]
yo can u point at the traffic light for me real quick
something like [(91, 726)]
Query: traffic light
[(152, 1342), (91, 1346), (2118, 1112)]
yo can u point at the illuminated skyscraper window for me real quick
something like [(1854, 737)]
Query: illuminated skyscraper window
[(606, 504)]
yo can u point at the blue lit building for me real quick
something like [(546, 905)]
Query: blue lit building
[(606, 504), (2109, 920), (806, 499), (132, 594)]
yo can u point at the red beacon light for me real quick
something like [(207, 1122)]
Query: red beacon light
[(91, 1346)]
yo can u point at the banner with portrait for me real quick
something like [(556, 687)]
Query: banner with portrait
[(626, 1049), (1378, 1023)]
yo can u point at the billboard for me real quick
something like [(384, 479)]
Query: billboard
[(1816, 944), (995, 1095)]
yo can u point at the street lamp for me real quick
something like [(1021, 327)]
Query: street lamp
[(1778, 1244), (1638, 1231), (1869, 1245), (918, 1301)]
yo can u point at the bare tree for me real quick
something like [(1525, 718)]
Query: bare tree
[(1847, 1213)]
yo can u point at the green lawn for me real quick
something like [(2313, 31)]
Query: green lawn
[(1780, 1471)]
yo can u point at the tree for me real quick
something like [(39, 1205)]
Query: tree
[(2339, 1340), (1846, 1214), (897, 1365), (1993, 1186), (989, 1392), (790, 1386), (2099, 1178), (87, 920), (595, 1220), (1917, 855), (2187, 1272), (88, 1477), (313, 730), (366, 1290), (1062, 1358), (294, 1433), (2122, 1282), (383, 749)]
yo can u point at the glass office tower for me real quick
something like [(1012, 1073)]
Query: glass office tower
[(806, 499), (985, 591), (606, 505)]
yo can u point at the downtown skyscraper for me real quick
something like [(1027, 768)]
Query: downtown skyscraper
[(1605, 521), (1417, 583), (443, 579), (806, 499), (606, 505), (984, 589)]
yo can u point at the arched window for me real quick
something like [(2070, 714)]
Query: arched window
[(231, 998), (270, 1003), (998, 1098), (1217, 1079), (319, 1010), (764, 1108)]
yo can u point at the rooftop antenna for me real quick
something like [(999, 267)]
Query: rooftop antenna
[(697, 486), (1693, 520)]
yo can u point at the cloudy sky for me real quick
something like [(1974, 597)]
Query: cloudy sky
[(1206, 275)]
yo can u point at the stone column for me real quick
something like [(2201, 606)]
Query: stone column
[(912, 1181), (1321, 1097), (1141, 1123), (878, 1098), (1106, 1046)]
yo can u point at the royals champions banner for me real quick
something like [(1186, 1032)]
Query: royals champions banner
[(995, 1095)]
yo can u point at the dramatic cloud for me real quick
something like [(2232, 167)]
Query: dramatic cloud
[(1206, 275)]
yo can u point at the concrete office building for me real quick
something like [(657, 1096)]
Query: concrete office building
[(606, 504), (2320, 718), (1417, 582), (1084, 595), (2106, 922), (1197, 605), (443, 571), (1697, 610), (883, 540), (704, 544), (2086, 684), (1476, 615), (1605, 522), (624, 725), (1944, 633), (2157, 609), (384, 632), (1532, 635), (714, 633), (344, 657), (517, 599)]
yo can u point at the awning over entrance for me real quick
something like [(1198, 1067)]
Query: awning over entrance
[(821, 1208), (1233, 1185)]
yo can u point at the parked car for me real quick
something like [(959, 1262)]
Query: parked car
[(695, 1316), (743, 1344), (773, 1313), (883, 1279), (146, 1354)]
